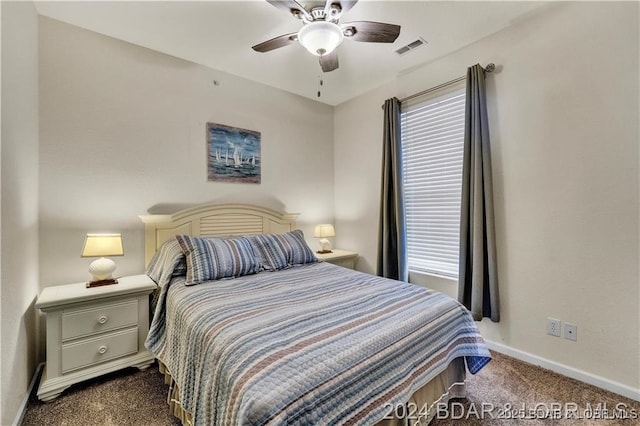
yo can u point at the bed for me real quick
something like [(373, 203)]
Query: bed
[(294, 341)]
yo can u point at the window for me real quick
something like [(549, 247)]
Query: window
[(432, 154)]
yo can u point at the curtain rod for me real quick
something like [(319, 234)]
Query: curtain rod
[(489, 68)]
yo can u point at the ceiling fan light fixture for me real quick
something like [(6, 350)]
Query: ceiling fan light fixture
[(320, 37)]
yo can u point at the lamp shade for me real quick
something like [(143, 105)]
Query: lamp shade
[(96, 245), (324, 230), (320, 37)]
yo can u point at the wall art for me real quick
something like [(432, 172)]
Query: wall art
[(233, 154)]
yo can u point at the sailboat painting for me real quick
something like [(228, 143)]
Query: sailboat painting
[(233, 154)]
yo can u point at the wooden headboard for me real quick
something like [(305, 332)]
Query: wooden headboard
[(213, 220)]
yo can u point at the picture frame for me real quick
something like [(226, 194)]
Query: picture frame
[(233, 154)]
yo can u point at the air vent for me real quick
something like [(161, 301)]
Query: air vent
[(409, 47)]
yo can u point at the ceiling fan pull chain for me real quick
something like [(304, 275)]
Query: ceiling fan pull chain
[(320, 83)]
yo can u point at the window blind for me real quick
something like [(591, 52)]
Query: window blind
[(432, 148)]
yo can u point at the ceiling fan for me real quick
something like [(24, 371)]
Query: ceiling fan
[(322, 33)]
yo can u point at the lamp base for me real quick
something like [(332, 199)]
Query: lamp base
[(325, 246), (100, 283), (102, 269)]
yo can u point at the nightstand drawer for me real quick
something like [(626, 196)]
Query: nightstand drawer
[(98, 318), (94, 351)]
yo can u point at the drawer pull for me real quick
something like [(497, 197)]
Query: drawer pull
[(102, 350), (103, 319)]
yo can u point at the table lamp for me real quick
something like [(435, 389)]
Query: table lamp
[(100, 245), (323, 231)]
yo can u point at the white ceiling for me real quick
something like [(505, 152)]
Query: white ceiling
[(219, 34)]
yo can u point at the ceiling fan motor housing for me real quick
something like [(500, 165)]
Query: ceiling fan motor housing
[(319, 14)]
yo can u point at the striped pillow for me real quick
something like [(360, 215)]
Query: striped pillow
[(300, 252), (279, 251), (216, 258), (270, 251)]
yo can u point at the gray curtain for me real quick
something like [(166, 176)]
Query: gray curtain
[(478, 275), (391, 232)]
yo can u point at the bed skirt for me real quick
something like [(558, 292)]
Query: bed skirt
[(419, 410)]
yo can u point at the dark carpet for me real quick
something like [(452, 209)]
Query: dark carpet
[(505, 392)]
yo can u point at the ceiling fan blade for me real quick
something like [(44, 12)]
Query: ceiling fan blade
[(274, 43), (329, 62), (327, 8), (346, 5), (373, 32), (291, 6)]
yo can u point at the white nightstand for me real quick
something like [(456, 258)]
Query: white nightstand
[(343, 258), (93, 331)]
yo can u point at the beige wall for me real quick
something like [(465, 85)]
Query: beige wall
[(19, 183), (123, 131), (563, 110)]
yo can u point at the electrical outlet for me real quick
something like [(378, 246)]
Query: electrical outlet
[(553, 327), (570, 331)]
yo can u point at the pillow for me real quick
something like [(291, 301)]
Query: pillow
[(300, 252), (181, 268), (279, 251), (167, 262), (270, 251), (216, 258)]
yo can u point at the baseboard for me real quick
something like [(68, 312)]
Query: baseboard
[(23, 406), (565, 370)]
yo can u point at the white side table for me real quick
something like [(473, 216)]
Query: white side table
[(343, 258), (93, 331)]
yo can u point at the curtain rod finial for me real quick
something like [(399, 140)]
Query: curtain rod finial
[(490, 67)]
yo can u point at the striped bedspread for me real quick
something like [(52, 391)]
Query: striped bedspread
[(314, 344)]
